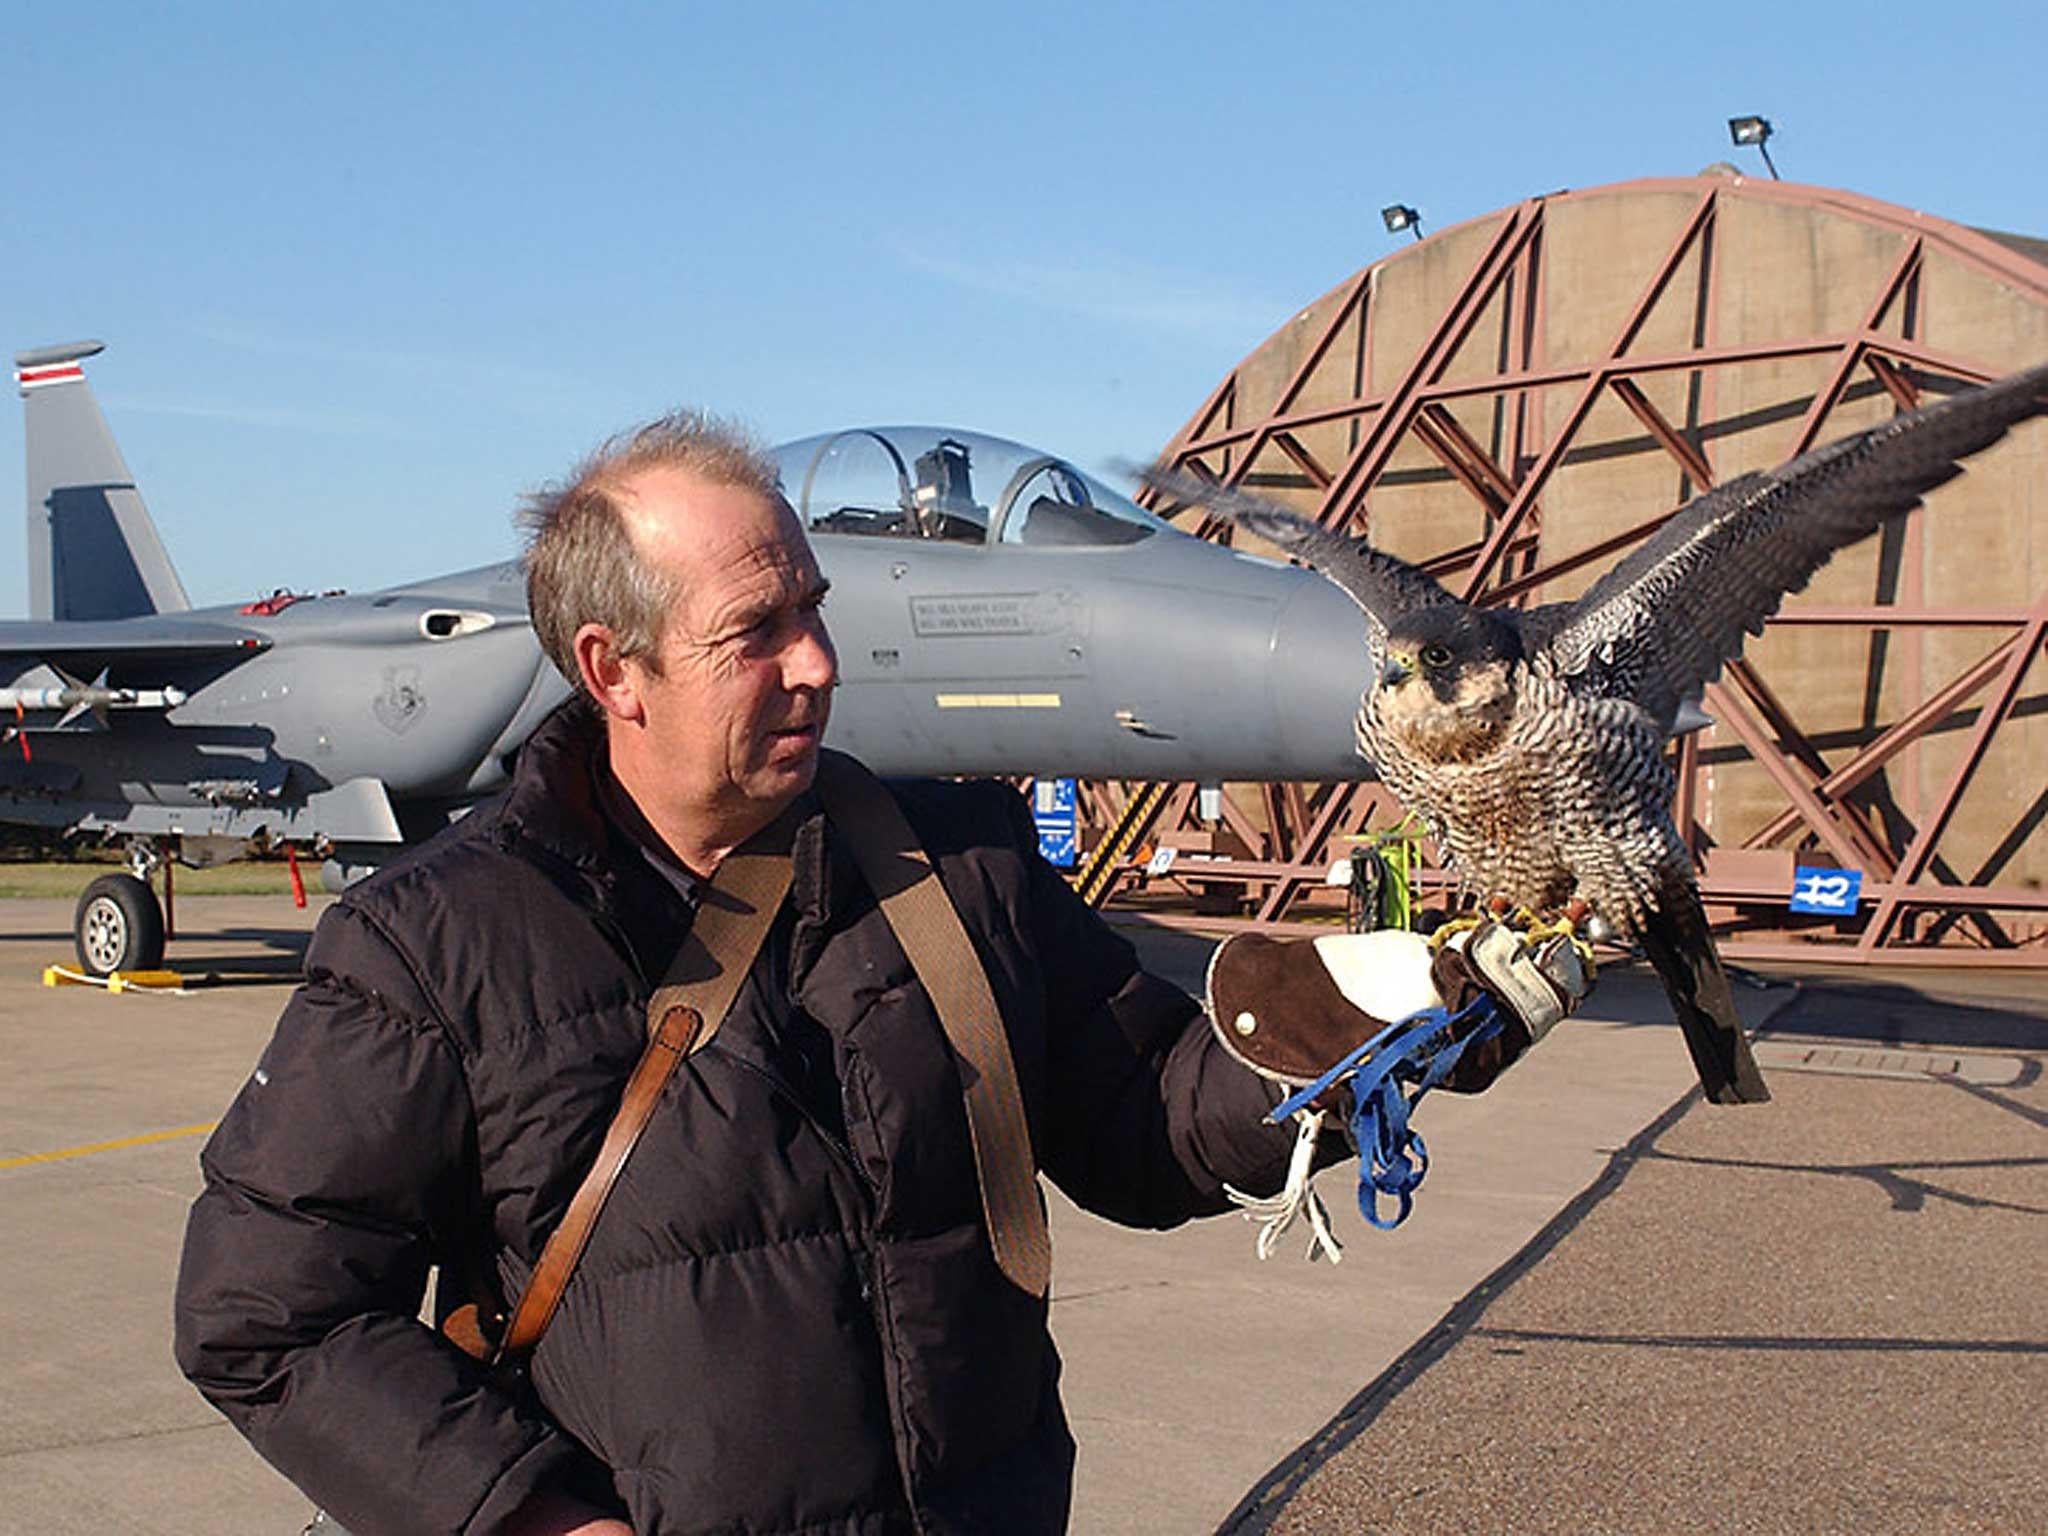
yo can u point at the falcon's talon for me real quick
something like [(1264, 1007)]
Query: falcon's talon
[(1450, 929)]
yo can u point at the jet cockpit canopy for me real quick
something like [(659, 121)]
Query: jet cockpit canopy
[(937, 483)]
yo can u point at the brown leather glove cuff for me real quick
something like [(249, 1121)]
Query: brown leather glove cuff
[(1275, 1008)]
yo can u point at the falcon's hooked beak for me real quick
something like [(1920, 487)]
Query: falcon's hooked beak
[(1396, 669)]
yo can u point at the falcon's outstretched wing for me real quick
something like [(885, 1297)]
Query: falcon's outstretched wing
[(1660, 625), (1380, 584)]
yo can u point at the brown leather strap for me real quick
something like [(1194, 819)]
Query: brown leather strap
[(675, 1037), (734, 914), (930, 931)]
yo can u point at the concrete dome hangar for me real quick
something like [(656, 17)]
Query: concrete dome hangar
[(1517, 400)]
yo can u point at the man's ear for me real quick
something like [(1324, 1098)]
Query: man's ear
[(606, 675)]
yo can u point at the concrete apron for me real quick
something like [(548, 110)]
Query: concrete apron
[(1192, 1368)]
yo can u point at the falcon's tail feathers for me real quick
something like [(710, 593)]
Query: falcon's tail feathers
[(1679, 944)]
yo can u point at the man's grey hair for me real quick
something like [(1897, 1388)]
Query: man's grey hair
[(581, 566)]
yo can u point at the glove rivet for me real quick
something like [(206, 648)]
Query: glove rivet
[(1244, 1023)]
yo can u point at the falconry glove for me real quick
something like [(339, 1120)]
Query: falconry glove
[(1535, 978), (1293, 1009)]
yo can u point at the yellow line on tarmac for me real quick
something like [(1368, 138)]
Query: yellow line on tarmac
[(107, 1146)]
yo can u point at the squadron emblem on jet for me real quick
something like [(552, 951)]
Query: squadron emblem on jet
[(399, 707)]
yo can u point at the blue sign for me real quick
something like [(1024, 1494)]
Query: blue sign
[(1052, 807), (1830, 892)]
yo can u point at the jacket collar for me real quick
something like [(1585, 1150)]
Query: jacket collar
[(552, 803), (554, 806)]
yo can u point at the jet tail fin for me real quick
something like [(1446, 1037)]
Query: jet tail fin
[(93, 552)]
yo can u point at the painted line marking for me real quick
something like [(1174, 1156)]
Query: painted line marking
[(107, 1146), (997, 700)]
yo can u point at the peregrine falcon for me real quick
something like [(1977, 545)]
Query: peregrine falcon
[(1531, 743)]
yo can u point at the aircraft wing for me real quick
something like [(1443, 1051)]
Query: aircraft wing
[(167, 638)]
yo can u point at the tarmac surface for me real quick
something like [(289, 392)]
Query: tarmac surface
[(1614, 1309)]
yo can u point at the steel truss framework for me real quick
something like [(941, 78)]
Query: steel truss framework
[(1268, 854)]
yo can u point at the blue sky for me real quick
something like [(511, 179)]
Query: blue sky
[(368, 271)]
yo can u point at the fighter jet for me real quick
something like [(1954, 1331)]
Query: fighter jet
[(996, 611)]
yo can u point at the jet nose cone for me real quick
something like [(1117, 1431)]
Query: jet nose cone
[(1321, 668)]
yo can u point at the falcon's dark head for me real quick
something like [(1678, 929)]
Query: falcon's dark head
[(1446, 685)]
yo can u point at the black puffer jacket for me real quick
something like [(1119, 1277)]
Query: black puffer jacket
[(789, 1318)]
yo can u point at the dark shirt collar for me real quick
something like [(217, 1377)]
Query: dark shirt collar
[(628, 822)]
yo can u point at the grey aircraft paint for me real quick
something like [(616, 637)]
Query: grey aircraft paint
[(1051, 629), (93, 553)]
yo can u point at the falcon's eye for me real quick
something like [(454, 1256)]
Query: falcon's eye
[(1435, 656)]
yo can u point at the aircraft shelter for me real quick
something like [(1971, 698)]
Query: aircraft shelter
[(1516, 401)]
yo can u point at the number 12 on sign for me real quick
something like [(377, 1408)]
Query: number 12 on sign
[(1830, 892)]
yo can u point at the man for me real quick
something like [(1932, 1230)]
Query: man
[(790, 1318)]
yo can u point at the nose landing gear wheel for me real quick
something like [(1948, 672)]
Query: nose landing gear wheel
[(118, 926)]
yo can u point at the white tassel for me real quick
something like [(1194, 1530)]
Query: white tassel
[(1276, 1213)]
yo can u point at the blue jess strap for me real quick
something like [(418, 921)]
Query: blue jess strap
[(1401, 1063)]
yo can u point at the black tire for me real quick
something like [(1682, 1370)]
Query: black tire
[(118, 926)]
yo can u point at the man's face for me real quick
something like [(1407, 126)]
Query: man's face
[(735, 710)]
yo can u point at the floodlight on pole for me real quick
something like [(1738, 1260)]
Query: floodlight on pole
[(1757, 131), (1399, 216)]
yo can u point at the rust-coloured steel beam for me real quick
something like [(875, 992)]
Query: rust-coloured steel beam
[(1453, 430), (1727, 709), (1776, 717), (1441, 566), (1354, 297), (1433, 437), (1806, 756), (1508, 591), (1444, 391), (1685, 801), (1351, 807), (1235, 819), (1996, 707), (1966, 898), (1222, 398), (1896, 384), (1911, 728), (1825, 398), (1304, 461), (1525, 497), (1668, 437), (1377, 446)]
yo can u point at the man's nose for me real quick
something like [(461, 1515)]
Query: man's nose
[(811, 662)]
